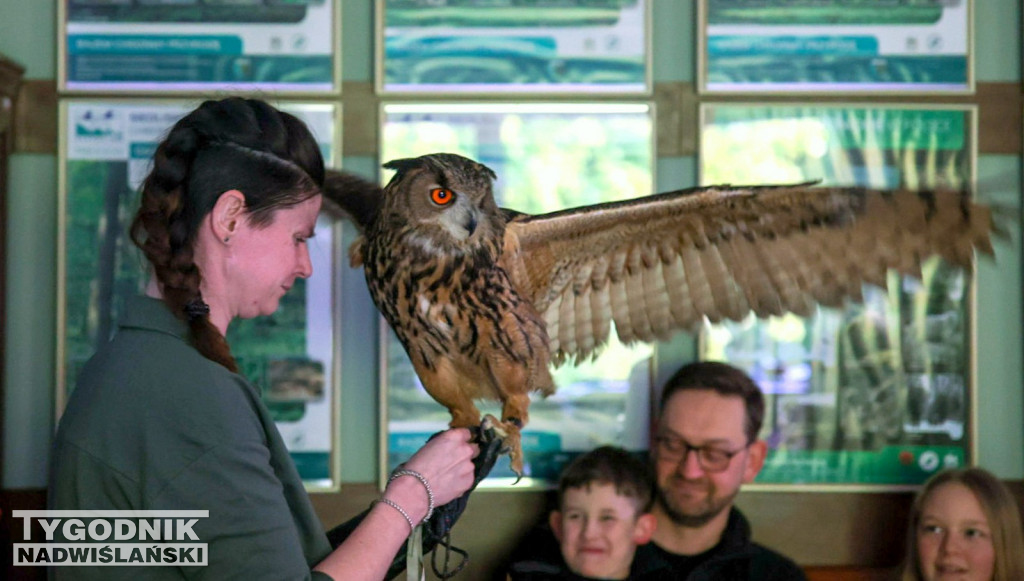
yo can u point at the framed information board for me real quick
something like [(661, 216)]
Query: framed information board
[(105, 153), (879, 393), (188, 46), (539, 47), (864, 46)]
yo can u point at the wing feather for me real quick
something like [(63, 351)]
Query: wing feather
[(665, 262), (681, 306)]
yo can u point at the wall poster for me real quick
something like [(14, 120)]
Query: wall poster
[(869, 46), (285, 46), (106, 152), (537, 46), (874, 394)]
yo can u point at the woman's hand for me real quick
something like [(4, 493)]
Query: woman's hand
[(446, 462)]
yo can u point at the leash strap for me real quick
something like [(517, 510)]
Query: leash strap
[(414, 556)]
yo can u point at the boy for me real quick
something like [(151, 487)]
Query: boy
[(603, 514)]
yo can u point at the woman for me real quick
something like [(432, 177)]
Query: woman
[(965, 525), (160, 419)]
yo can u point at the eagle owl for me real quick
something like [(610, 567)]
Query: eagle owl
[(484, 298)]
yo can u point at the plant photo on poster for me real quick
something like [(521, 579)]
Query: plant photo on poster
[(169, 45), (877, 393), (537, 46), (547, 157), (289, 355), (792, 46)]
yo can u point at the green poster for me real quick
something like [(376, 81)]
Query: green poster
[(878, 392), (539, 46), (791, 46), (289, 355), (170, 45)]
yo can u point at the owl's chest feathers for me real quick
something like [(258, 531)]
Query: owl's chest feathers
[(449, 306)]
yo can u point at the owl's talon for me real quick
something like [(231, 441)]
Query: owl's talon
[(511, 442), (491, 423)]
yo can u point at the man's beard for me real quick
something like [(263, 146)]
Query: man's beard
[(711, 508)]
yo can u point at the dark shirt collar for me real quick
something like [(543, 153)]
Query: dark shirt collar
[(142, 312), (737, 531), (735, 536)]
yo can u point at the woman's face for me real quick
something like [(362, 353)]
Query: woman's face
[(266, 261), (954, 539)]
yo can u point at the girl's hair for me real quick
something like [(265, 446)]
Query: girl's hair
[(231, 144), (1001, 512)]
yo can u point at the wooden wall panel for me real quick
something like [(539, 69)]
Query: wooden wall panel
[(676, 104), (10, 85)]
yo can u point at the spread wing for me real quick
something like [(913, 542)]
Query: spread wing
[(661, 263)]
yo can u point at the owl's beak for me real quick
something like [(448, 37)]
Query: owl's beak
[(471, 224)]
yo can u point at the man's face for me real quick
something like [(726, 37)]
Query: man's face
[(688, 493), (598, 530)]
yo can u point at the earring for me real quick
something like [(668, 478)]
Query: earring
[(226, 238)]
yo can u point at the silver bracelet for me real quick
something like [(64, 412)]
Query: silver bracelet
[(401, 510), (423, 480)]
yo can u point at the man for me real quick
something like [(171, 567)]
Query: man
[(704, 448)]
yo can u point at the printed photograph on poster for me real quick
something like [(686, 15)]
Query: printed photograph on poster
[(547, 157), (541, 46), (868, 46), (877, 393), (174, 46), (290, 355)]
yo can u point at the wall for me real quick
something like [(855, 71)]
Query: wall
[(27, 34)]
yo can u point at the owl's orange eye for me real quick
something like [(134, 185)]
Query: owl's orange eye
[(442, 196)]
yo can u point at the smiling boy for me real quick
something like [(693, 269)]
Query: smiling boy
[(603, 514)]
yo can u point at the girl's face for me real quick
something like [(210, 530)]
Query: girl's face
[(954, 540)]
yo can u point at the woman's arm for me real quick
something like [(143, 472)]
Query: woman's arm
[(446, 463)]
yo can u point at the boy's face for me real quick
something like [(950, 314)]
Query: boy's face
[(599, 530)]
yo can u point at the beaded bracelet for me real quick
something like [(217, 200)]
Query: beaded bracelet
[(401, 510), (423, 480)]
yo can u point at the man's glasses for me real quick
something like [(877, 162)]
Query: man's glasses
[(710, 458)]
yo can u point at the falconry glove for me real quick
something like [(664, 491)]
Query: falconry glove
[(437, 529)]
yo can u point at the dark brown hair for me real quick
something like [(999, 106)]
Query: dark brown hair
[(724, 380), (231, 144), (630, 475)]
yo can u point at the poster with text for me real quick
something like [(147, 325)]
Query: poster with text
[(519, 46), (878, 393), (199, 45), (794, 46), (547, 157), (289, 355)]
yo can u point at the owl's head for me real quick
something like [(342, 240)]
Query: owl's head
[(445, 198)]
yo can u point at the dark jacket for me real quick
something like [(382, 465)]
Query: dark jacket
[(735, 558), (154, 425)]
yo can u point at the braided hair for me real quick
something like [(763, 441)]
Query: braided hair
[(230, 144)]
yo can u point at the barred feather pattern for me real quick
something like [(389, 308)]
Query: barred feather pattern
[(659, 264)]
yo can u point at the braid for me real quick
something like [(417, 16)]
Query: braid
[(234, 143), (161, 230)]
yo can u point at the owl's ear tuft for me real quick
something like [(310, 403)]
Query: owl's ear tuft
[(405, 164), (489, 171)]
